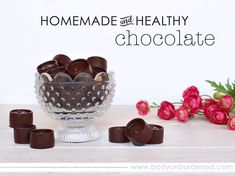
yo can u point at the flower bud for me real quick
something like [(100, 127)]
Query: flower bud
[(217, 95)]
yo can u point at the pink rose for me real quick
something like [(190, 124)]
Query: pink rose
[(216, 115), (190, 91), (226, 102), (208, 102), (209, 110), (193, 103), (182, 114), (231, 122), (142, 107), (166, 111)]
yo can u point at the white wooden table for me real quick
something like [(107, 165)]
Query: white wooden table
[(195, 141)]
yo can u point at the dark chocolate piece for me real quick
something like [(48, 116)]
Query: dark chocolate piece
[(101, 77), (62, 78), (46, 66), (22, 134), (97, 62), (62, 59), (54, 71), (97, 70), (158, 134), (83, 77), (46, 77), (20, 118), (117, 135), (138, 132), (78, 66), (42, 139)]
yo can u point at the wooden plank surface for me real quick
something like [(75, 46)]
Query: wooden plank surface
[(195, 141)]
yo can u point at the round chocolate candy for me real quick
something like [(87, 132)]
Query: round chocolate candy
[(62, 78), (78, 66), (20, 118), (46, 66), (102, 76), (97, 70), (62, 59), (54, 71), (46, 77), (83, 77), (97, 62), (22, 134), (138, 132), (117, 135), (42, 139), (158, 134)]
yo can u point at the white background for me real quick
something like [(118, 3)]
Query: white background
[(151, 73)]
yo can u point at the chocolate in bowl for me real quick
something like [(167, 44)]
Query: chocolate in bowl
[(98, 62), (62, 59), (78, 66), (53, 72), (79, 93), (46, 66), (74, 99)]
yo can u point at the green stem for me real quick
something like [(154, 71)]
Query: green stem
[(154, 106)]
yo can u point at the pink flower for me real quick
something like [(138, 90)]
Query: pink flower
[(226, 102), (166, 110), (209, 110), (190, 91), (193, 103), (182, 114), (220, 116), (216, 115), (208, 102), (142, 107), (231, 122)]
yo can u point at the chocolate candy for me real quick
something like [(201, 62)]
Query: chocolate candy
[(138, 132), (117, 135), (97, 70), (73, 85), (46, 66), (46, 77), (54, 71), (42, 139), (98, 62), (20, 118), (22, 134), (78, 66), (158, 134), (83, 77), (62, 78), (102, 76), (62, 59)]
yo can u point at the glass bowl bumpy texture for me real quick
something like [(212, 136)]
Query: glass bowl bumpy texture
[(75, 103)]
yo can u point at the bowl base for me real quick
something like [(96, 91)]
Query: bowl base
[(77, 134)]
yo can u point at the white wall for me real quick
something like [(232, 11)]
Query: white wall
[(152, 73)]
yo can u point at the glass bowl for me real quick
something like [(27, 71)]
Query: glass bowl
[(75, 102)]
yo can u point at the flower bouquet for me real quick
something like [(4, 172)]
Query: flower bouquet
[(219, 109)]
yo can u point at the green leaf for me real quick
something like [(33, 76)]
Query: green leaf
[(218, 87), (228, 88)]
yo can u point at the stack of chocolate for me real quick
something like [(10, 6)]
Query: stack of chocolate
[(21, 120), (138, 132), (74, 85)]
